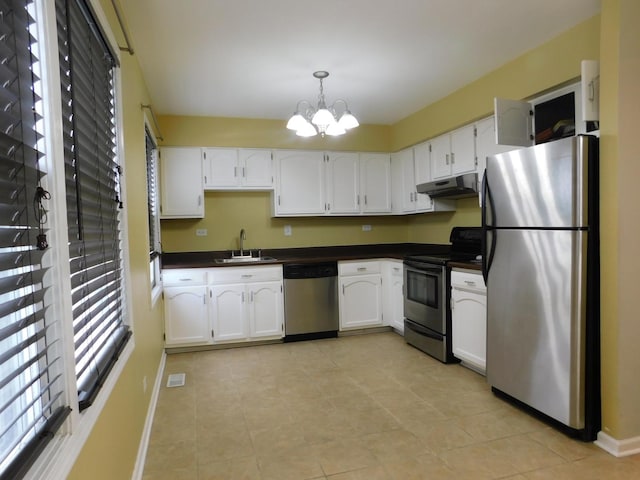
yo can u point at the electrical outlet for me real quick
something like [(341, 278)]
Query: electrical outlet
[(201, 232), (366, 228), (287, 230)]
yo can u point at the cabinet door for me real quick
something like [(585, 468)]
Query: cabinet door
[(181, 185), (440, 155), (300, 183), (463, 150), (393, 297), (409, 194), (469, 324), (228, 312), (514, 122), (265, 309), (486, 146), (375, 182), (343, 183), (360, 301), (220, 168), (257, 168), (185, 316)]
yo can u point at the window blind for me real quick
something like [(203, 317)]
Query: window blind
[(92, 186), (32, 403), (152, 193)]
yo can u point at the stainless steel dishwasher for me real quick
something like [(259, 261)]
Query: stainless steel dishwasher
[(310, 301)]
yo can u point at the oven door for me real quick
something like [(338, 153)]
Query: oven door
[(425, 295)]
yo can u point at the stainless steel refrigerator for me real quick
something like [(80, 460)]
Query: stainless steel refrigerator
[(541, 267)]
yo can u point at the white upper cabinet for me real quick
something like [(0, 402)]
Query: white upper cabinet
[(422, 162), (343, 183), (453, 153), (181, 186), (237, 169), (548, 117), (375, 182), (486, 146), (300, 183)]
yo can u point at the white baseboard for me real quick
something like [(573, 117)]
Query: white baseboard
[(146, 432), (618, 448)]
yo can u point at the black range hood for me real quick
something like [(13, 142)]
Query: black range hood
[(461, 186)]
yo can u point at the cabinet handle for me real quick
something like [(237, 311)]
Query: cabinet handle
[(453, 158), (242, 297), (205, 179), (278, 199), (251, 298), (365, 199), (244, 172), (246, 275), (235, 171), (470, 283), (342, 289), (199, 200), (362, 269), (396, 269), (358, 200), (446, 159)]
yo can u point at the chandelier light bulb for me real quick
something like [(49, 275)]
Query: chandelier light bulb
[(348, 121), (296, 122), (306, 130)]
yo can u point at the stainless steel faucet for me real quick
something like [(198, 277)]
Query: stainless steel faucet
[(243, 237)]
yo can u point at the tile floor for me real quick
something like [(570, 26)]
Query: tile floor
[(365, 407)]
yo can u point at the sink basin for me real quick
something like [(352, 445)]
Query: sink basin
[(244, 259)]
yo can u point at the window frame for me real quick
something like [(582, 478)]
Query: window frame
[(155, 274), (60, 455)]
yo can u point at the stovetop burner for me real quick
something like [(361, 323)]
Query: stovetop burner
[(465, 247)]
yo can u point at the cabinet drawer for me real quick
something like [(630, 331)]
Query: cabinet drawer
[(467, 279), (228, 275), (184, 276), (358, 268)]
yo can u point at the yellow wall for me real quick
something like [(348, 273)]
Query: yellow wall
[(228, 212), (620, 229), (111, 450)]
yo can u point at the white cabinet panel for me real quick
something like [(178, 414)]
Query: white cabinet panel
[(375, 182), (453, 153), (393, 295), (343, 183), (514, 122), (237, 169), (257, 168), (227, 312), (469, 318), (181, 185), (266, 315), (300, 183), (185, 310), (360, 297)]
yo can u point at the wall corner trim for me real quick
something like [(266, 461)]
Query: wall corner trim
[(618, 448)]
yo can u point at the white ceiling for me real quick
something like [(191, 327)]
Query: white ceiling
[(387, 59)]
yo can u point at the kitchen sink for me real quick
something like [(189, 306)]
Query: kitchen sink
[(244, 260)]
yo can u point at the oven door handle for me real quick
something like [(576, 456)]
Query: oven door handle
[(423, 330), (422, 267)]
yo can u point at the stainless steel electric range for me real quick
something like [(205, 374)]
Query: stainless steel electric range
[(427, 293)]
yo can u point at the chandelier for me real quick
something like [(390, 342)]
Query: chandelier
[(308, 121)]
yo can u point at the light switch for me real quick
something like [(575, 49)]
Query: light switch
[(287, 230), (366, 228), (201, 232)]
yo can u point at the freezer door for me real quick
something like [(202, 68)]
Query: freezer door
[(536, 320), (542, 186)]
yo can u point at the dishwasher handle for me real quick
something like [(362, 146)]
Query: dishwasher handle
[(310, 270)]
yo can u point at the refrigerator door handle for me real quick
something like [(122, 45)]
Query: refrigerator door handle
[(487, 253)]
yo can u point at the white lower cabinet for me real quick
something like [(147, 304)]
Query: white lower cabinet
[(393, 294), (185, 307), (246, 303), (469, 318), (360, 298), (223, 305)]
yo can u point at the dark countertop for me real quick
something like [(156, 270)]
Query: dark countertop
[(467, 265), (305, 255)]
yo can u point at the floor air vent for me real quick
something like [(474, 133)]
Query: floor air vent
[(176, 380)]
